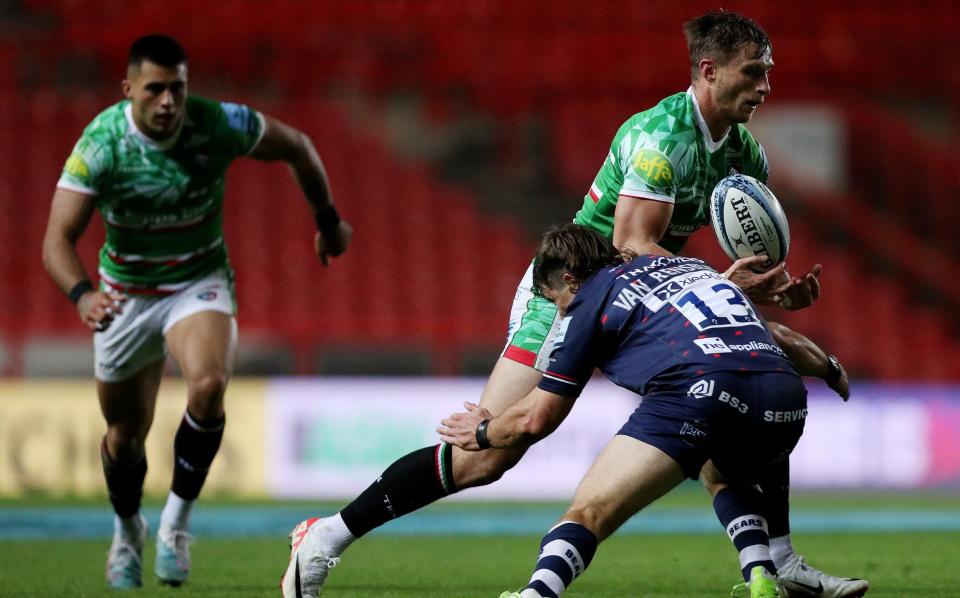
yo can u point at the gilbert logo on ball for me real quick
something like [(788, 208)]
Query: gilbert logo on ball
[(748, 221)]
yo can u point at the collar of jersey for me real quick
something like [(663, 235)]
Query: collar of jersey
[(712, 145), (149, 141)]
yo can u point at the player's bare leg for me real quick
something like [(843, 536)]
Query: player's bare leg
[(127, 406), (509, 382), (428, 474), (413, 481), (203, 345), (626, 477)]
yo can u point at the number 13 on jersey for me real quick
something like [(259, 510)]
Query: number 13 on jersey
[(716, 305)]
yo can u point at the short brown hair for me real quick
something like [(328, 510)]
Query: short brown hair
[(571, 249), (721, 34), (160, 49)]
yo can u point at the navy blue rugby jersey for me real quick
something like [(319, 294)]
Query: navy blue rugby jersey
[(656, 323)]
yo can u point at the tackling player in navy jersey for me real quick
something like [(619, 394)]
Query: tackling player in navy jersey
[(715, 386)]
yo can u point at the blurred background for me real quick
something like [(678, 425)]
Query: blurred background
[(453, 134)]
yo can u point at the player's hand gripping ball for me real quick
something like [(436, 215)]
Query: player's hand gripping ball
[(748, 221)]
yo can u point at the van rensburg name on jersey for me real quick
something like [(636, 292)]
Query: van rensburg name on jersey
[(660, 281)]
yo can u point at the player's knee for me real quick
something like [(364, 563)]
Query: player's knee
[(124, 443), (208, 386), (713, 487), (713, 480), (205, 395)]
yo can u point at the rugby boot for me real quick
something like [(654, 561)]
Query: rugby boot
[(125, 560), (762, 584), (800, 580), (172, 565), (310, 561)]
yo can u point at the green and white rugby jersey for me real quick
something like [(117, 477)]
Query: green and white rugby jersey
[(161, 202), (666, 154)]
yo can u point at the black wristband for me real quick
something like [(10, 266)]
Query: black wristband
[(327, 220), (79, 290), (482, 441), (834, 371)]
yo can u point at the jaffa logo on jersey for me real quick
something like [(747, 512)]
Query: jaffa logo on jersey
[(653, 167), (207, 296), (76, 166)]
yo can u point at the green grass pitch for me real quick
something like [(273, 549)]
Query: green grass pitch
[(897, 564)]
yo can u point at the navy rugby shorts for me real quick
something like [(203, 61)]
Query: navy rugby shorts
[(746, 422)]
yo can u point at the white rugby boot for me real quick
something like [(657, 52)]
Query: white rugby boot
[(310, 560), (800, 580), (172, 565), (125, 559)]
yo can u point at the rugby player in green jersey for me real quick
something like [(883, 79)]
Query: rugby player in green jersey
[(651, 193), (153, 165)]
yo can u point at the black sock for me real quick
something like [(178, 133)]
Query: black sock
[(194, 448), (412, 481), (776, 499), (124, 481), (739, 511)]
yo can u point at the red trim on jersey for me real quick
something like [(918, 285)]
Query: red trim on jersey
[(594, 196), (562, 377), (520, 355)]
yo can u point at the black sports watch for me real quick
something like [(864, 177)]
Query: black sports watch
[(834, 371)]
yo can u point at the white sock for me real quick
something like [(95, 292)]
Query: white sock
[(338, 535), (176, 513), (781, 550), (128, 528)]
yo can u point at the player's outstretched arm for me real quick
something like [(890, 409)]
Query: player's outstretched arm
[(810, 359), (531, 419), (70, 214), (283, 142)]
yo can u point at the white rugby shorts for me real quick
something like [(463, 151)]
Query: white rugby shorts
[(135, 338)]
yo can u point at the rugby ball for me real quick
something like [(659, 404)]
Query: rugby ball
[(748, 221)]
